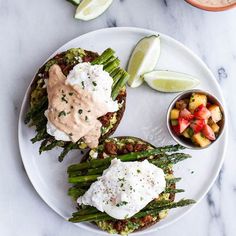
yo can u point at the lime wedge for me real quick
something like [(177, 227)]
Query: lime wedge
[(90, 9), (143, 59), (170, 81)]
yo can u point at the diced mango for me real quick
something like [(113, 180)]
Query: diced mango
[(174, 114), (215, 128), (196, 100), (186, 134), (201, 140), (216, 114)]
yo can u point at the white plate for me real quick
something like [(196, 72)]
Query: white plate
[(145, 117)]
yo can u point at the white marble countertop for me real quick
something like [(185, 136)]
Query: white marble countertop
[(31, 30)]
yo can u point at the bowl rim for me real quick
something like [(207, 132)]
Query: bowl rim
[(211, 8), (178, 139)]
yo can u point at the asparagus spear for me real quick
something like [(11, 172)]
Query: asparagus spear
[(111, 66), (39, 136), (84, 178), (76, 192), (112, 58), (119, 85), (161, 162), (117, 77), (155, 211), (35, 109), (173, 190), (67, 148), (115, 72), (103, 57), (53, 144), (133, 156), (90, 210), (173, 180)]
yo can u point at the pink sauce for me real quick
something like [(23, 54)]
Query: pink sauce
[(73, 110)]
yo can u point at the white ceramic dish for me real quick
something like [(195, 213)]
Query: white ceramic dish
[(145, 117)]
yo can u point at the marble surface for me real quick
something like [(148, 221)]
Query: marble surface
[(31, 30)]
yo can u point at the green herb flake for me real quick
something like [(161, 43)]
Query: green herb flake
[(80, 111), (71, 93), (94, 83), (138, 171), (61, 113), (123, 203), (121, 179), (83, 86), (63, 98)]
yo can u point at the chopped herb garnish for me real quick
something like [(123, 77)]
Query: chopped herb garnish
[(71, 107), (86, 118), (89, 110), (71, 94), (121, 179), (121, 203), (138, 171), (80, 111), (94, 83), (61, 113), (68, 113), (70, 134), (63, 98), (82, 84)]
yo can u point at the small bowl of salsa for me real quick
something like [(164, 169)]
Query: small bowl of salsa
[(195, 119), (213, 5)]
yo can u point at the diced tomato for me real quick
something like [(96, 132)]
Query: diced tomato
[(176, 129), (197, 125), (208, 132), (183, 124), (202, 112), (186, 114)]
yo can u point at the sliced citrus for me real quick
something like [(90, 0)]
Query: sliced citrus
[(143, 59), (170, 81), (90, 9)]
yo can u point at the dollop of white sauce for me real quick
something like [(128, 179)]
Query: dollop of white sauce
[(93, 79), (125, 188)]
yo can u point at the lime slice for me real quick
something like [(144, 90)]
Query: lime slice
[(170, 81), (143, 59), (90, 9)]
